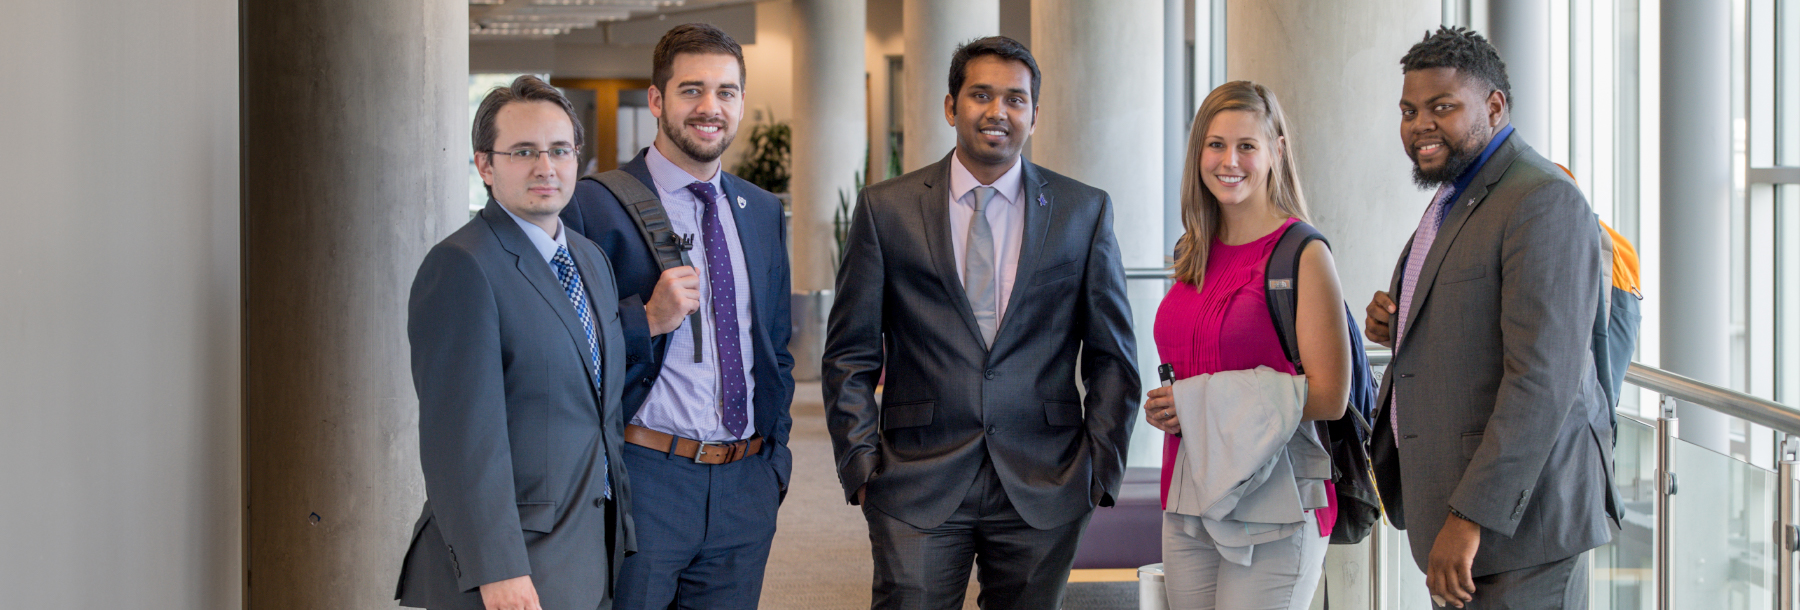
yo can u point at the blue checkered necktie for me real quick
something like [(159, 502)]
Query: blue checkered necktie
[(723, 283), (577, 293)]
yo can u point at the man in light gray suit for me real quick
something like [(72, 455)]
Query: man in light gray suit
[(517, 357), (1493, 448), (976, 283)]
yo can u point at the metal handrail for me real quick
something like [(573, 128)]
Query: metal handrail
[(1672, 387), (1146, 273), (1730, 402)]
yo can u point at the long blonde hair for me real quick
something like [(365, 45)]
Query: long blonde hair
[(1199, 208)]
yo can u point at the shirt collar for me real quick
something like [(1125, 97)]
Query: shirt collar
[(1007, 186), (1468, 175), (670, 178), (545, 243)]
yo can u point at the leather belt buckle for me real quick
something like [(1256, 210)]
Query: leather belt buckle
[(700, 453)]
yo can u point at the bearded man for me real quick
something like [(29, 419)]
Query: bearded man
[(707, 408)]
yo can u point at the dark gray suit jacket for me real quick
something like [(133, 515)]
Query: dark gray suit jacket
[(949, 401), (511, 430), (1500, 413)]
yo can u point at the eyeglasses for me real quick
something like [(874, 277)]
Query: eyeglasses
[(526, 155)]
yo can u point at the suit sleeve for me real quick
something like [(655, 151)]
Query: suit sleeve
[(1108, 360), (853, 354), (780, 333), (453, 325), (1549, 288)]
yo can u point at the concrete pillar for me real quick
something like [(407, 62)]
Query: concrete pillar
[(933, 29), (831, 131), (1696, 191), (1346, 131), (356, 139), (1345, 136), (1100, 121), (1520, 30)]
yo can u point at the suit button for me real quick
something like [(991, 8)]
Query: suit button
[(992, 430), (990, 374), (598, 503), (649, 381)]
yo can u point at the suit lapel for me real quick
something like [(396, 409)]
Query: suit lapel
[(531, 264), (1461, 209), (934, 215), (1031, 244)]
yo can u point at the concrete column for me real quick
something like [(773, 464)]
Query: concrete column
[(831, 131), (356, 138), (1345, 136), (1696, 191), (1346, 131), (933, 29), (1520, 30), (1100, 121)]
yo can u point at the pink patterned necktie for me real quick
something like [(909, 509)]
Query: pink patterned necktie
[(1415, 262)]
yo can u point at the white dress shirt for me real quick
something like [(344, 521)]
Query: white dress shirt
[(1006, 216)]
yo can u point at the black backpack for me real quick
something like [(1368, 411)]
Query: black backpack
[(1358, 505), (646, 211)]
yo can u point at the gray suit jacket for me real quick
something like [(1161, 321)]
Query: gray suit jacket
[(1500, 414), (512, 432), (949, 400)]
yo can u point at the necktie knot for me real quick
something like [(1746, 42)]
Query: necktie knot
[(983, 195), (703, 191)]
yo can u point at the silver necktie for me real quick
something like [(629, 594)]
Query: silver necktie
[(978, 268)]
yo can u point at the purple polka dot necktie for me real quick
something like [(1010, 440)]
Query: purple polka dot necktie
[(724, 307)]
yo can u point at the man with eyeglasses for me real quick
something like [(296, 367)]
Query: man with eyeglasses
[(709, 377), (517, 357)]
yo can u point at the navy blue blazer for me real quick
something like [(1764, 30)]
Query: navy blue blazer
[(599, 216)]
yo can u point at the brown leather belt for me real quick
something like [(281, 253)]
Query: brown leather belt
[(701, 452)]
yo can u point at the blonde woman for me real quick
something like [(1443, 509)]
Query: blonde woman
[(1239, 194)]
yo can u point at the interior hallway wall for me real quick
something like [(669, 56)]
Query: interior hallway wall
[(119, 353), (1336, 71)]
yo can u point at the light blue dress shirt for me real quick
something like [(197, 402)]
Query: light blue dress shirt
[(685, 400)]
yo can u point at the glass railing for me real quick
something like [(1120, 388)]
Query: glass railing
[(1715, 533)]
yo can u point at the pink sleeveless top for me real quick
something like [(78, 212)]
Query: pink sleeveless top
[(1223, 325)]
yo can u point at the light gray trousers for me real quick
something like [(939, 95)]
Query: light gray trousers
[(1282, 574)]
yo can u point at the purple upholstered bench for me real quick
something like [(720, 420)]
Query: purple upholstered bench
[(1128, 534)]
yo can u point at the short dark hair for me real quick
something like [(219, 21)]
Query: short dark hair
[(998, 46), (691, 38), (1466, 51), (526, 88)]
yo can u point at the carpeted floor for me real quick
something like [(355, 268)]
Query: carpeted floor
[(820, 560)]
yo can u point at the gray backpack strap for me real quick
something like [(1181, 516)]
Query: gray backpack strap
[(646, 211)]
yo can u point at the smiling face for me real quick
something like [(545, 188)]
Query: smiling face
[(698, 113), (993, 113), (1237, 160), (540, 187), (1446, 120)]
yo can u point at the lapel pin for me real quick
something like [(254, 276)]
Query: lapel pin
[(742, 203), (1040, 199)]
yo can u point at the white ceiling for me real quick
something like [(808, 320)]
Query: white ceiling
[(498, 20)]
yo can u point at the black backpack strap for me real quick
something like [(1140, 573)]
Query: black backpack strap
[(1280, 278), (646, 211)]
